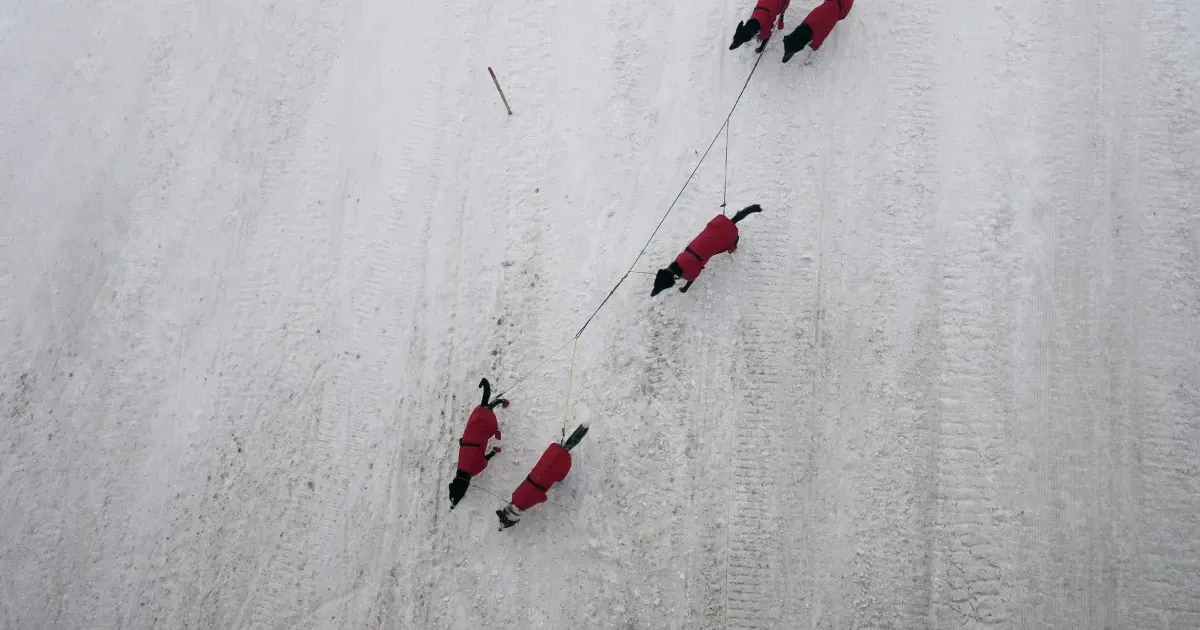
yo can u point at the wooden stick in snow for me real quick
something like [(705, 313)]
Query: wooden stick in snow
[(500, 91)]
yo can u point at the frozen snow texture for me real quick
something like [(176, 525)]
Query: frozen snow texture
[(254, 258)]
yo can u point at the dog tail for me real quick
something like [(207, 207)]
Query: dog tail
[(576, 437), (487, 391), (747, 211)]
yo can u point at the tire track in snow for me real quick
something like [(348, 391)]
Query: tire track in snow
[(1045, 222), (762, 482), (425, 183), (279, 336), (753, 590), (800, 208), (877, 350), (1064, 490), (377, 316), (967, 441), (963, 517), (1166, 392), (446, 310), (377, 384), (1120, 353), (869, 509), (968, 579), (283, 343)]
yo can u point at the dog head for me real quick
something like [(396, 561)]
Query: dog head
[(458, 488), (664, 279), (744, 32), (795, 41)]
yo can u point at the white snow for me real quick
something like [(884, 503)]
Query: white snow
[(254, 258)]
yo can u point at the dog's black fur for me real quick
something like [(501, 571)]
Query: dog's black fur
[(665, 278), (575, 438), (795, 41), (458, 488), (746, 31)]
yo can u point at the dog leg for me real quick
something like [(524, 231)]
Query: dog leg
[(508, 516), (684, 288)]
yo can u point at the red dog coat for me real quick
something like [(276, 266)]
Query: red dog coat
[(550, 469), (823, 18), (766, 13), (719, 236), (481, 427)]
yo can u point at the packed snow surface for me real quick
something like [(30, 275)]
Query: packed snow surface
[(255, 257)]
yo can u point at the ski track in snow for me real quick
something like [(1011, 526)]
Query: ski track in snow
[(254, 259)]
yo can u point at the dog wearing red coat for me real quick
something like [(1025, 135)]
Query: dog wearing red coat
[(718, 237), (552, 468), (761, 23), (816, 27), (473, 453)]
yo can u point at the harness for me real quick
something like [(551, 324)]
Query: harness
[(462, 443), (689, 250), (535, 484)]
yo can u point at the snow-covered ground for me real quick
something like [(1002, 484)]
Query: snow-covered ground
[(254, 258)]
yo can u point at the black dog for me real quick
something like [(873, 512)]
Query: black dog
[(481, 428), (719, 236)]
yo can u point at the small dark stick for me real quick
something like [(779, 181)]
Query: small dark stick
[(500, 91)]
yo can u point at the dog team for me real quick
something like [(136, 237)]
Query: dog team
[(718, 237), (811, 32), (474, 455)]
